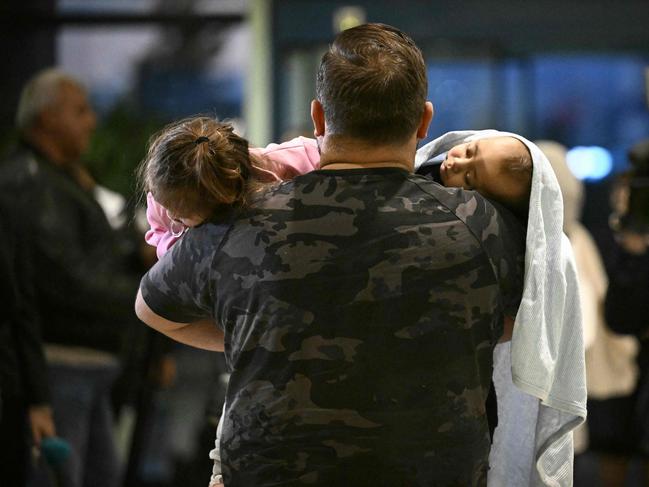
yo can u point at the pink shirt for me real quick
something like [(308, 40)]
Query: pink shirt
[(297, 156)]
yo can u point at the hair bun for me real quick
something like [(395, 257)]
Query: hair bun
[(201, 139)]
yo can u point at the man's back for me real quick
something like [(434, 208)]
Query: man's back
[(362, 312)]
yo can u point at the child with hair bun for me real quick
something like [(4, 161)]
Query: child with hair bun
[(198, 166)]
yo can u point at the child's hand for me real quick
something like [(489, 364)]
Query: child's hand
[(508, 329)]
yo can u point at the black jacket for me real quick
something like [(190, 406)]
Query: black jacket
[(23, 374), (84, 289)]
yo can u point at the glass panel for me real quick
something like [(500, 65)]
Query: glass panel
[(142, 76), (591, 100), (462, 93), (150, 6), (168, 71)]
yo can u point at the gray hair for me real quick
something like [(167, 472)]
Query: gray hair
[(39, 93)]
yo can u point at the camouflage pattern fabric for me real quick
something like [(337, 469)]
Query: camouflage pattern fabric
[(360, 310)]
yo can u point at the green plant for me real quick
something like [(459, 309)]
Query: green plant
[(118, 147)]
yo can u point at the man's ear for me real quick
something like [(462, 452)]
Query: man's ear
[(318, 117), (426, 118)]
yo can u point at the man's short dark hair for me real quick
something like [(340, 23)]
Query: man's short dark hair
[(372, 84)]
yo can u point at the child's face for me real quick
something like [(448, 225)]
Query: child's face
[(482, 166)]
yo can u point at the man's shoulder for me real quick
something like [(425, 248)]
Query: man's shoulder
[(19, 166), (202, 240), (421, 190), (483, 217), (22, 179), (212, 230), (465, 204)]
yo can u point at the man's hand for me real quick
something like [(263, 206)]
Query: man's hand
[(41, 422)]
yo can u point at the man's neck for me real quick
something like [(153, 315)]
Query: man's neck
[(47, 148), (354, 154)]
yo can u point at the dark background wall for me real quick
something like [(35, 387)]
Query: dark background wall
[(493, 31), (518, 26), (27, 44)]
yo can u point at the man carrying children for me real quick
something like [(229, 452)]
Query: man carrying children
[(359, 304)]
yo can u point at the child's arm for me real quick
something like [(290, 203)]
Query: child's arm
[(508, 329), (161, 233), (292, 158)]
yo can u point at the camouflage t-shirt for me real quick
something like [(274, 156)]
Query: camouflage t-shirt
[(360, 311)]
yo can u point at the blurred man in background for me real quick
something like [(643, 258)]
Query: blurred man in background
[(24, 394), (83, 287)]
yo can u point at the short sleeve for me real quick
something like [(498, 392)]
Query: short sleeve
[(500, 234), (502, 237), (179, 286)]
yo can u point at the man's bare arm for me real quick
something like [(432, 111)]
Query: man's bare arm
[(200, 334)]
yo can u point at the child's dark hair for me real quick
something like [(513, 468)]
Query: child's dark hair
[(195, 165)]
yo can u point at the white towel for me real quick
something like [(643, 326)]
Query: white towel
[(533, 442)]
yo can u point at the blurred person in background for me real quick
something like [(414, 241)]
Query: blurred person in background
[(627, 299), (611, 372), (83, 288), (24, 394)]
